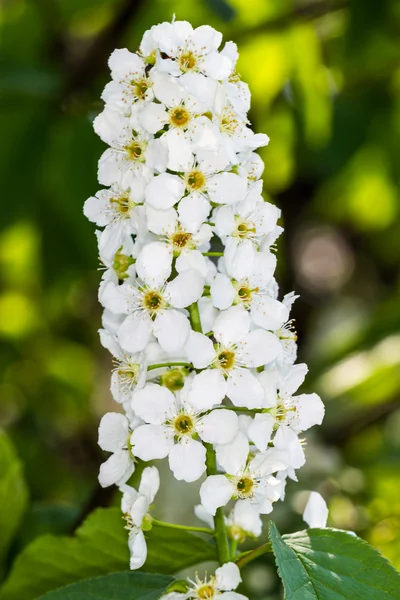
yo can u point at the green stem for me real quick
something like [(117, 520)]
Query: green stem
[(169, 364), (246, 557), (234, 545), (221, 536), (158, 523), (195, 317), (241, 409), (213, 253)]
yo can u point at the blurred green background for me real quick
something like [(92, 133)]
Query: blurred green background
[(325, 82)]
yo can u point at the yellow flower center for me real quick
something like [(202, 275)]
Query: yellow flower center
[(136, 150), (121, 204), (128, 374), (226, 359), (205, 591), (187, 61), (153, 302), (181, 239), (228, 122), (195, 181), (244, 229), (140, 87), (183, 424), (179, 117), (244, 487)]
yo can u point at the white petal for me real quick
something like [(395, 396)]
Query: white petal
[(310, 411), (268, 313), (186, 288), (200, 350), (149, 483), (263, 267), (228, 576), (208, 313), (222, 291), (225, 222), (123, 63), (294, 379), (187, 460), (109, 125), (316, 511), (139, 509), (161, 221), (154, 403), (227, 188), (167, 89), (259, 347), (260, 430), (164, 191), (193, 211), (192, 259), (171, 329), (269, 380), (153, 117), (180, 157), (217, 66), (203, 88), (152, 441), (138, 549), (154, 263), (233, 456), (113, 432), (232, 325), (239, 258), (247, 518), (157, 155), (134, 333), (208, 389), (244, 389), (117, 469), (216, 491), (218, 427)]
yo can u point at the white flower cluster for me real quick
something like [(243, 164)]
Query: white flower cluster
[(204, 351)]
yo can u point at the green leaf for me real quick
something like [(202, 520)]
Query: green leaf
[(98, 548), (13, 493), (124, 586), (328, 564)]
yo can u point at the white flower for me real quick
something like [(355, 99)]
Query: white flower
[(135, 506), (132, 154), (172, 428), (185, 246), (154, 310), (188, 128), (122, 214), (244, 225), (230, 360), (297, 412), (287, 337), (130, 82), (220, 586), (255, 290), (166, 190), (234, 133), (245, 480), (189, 51), (316, 511), (114, 434), (243, 521)]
